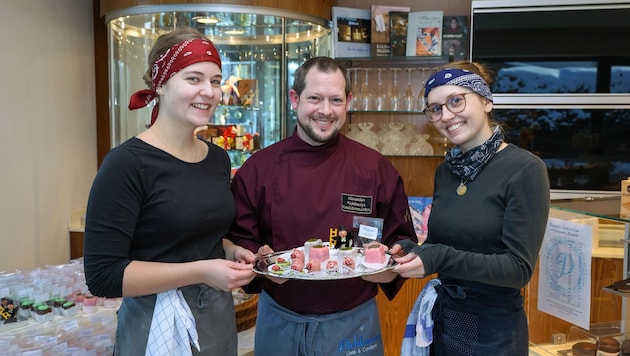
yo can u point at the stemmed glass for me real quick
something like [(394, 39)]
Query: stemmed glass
[(422, 83), (366, 95), (356, 95), (394, 99), (409, 99), (380, 103)]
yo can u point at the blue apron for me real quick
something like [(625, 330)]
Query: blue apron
[(280, 331)]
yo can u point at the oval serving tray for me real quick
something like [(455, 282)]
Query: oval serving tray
[(264, 265)]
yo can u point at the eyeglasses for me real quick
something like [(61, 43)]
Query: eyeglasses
[(455, 103)]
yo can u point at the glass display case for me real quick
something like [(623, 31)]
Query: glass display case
[(610, 236), (260, 49)]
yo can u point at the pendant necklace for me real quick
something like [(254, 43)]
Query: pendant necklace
[(461, 188)]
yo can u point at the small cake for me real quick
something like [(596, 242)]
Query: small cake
[(277, 269), (68, 309), (319, 252), (78, 299), (57, 303), (332, 264), (297, 254), (584, 349), (349, 262), (374, 253), (313, 265), (312, 242), (42, 312), (283, 262), (25, 309), (89, 304), (347, 250), (608, 344), (297, 265)]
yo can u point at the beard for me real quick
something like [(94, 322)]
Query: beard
[(310, 132)]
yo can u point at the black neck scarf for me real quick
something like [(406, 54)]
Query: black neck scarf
[(467, 165)]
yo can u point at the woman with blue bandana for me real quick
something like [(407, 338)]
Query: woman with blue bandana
[(490, 208)]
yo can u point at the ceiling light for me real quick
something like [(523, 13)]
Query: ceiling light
[(234, 31), (207, 19)]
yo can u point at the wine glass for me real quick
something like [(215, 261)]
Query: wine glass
[(356, 95), (380, 102), (366, 95), (409, 99), (423, 80), (394, 99)]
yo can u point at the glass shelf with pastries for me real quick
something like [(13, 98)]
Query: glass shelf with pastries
[(260, 50)]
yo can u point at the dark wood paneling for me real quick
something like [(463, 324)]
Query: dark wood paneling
[(417, 173)]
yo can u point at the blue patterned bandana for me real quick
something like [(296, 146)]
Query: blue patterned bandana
[(459, 77), (466, 165)]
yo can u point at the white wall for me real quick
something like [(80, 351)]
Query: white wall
[(47, 127)]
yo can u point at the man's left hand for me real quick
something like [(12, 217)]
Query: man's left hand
[(381, 277)]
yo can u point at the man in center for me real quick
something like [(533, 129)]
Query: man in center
[(295, 190)]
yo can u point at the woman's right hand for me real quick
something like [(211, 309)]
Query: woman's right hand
[(227, 275)]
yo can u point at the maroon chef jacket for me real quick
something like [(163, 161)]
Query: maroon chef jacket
[(291, 191)]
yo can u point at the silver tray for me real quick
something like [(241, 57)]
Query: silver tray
[(264, 263)]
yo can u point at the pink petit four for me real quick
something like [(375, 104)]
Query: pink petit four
[(332, 264), (319, 252), (313, 265), (349, 262), (297, 265), (297, 254), (374, 253)]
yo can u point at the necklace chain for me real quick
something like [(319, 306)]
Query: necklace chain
[(160, 139), (172, 151)]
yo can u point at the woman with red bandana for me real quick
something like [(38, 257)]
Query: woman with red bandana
[(158, 210)]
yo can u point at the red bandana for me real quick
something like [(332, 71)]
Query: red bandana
[(170, 62)]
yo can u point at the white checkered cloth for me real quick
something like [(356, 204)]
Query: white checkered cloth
[(173, 329), (419, 330)]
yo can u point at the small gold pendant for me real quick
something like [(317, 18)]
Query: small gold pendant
[(461, 189)]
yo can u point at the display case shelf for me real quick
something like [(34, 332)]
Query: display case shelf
[(396, 133), (605, 211), (260, 50), (386, 106), (396, 60)]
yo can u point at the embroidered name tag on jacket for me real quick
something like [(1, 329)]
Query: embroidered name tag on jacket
[(358, 204)]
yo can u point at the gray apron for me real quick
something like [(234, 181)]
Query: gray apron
[(280, 331), (214, 316)]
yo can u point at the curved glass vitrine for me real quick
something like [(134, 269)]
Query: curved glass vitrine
[(260, 49)]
